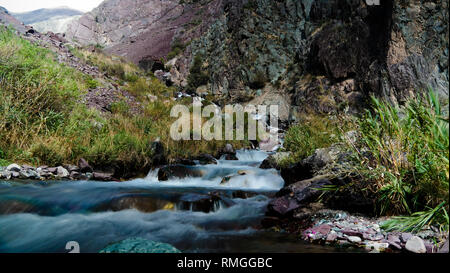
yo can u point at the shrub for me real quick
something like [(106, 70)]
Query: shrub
[(404, 151), (311, 133), (197, 75)]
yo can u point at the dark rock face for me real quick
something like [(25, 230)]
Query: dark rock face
[(296, 172), (321, 55), (295, 195)]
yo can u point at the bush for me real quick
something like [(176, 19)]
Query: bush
[(404, 151), (311, 133), (197, 75)]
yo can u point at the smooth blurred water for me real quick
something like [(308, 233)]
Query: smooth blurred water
[(44, 216)]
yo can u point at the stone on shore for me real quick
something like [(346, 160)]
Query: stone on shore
[(61, 172), (84, 166), (13, 168), (415, 244)]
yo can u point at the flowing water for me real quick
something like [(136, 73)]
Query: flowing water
[(193, 214)]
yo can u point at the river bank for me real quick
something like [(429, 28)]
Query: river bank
[(196, 208)]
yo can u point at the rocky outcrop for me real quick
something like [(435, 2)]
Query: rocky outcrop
[(143, 29), (326, 55), (303, 55)]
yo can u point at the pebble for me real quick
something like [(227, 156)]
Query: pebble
[(354, 239)]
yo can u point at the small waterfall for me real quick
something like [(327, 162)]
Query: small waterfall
[(152, 176), (251, 155)]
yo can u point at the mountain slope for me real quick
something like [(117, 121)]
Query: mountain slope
[(141, 28), (54, 20), (283, 51), (7, 19)]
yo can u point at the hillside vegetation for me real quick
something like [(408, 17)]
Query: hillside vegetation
[(43, 122)]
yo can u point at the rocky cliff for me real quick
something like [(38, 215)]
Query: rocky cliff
[(304, 55), (139, 29), (326, 54)]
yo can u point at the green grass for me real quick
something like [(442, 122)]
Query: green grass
[(42, 121), (404, 152), (310, 133)]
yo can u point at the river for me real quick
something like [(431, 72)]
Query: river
[(43, 216)]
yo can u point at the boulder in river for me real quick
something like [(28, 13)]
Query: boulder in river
[(206, 159), (178, 171), (99, 176), (139, 245), (199, 202)]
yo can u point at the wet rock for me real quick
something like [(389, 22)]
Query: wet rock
[(84, 166), (296, 172), (99, 176), (139, 245), (199, 202), (158, 153), (295, 195), (206, 159), (273, 161), (231, 157), (415, 244), (187, 162), (15, 206), (282, 206), (141, 203), (228, 149), (178, 171), (13, 168)]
